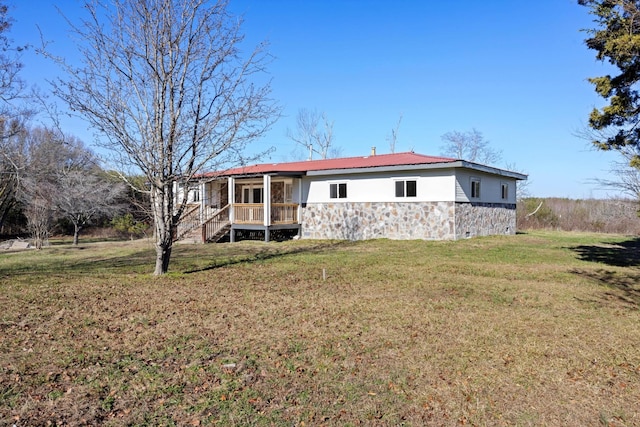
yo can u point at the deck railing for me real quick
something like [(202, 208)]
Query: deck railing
[(253, 213), (284, 213), (190, 220), (214, 224), (248, 213)]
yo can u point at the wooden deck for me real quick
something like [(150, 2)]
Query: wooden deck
[(246, 216), (253, 213)]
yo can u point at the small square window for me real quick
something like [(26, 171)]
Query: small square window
[(338, 191), (406, 188)]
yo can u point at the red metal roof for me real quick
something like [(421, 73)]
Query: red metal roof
[(378, 160)]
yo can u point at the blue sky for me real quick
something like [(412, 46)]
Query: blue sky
[(515, 70)]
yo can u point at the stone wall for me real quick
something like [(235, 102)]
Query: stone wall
[(361, 221), (406, 220), (484, 219)]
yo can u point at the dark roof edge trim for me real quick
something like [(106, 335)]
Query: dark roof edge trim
[(422, 166)]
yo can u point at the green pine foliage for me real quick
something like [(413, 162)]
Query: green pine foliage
[(616, 39)]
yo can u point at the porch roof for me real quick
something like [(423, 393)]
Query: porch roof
[(302, 167)]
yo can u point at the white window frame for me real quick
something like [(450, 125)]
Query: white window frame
[(337, 190), (247, 192), (476, 188), (504, 190), (405, 187)]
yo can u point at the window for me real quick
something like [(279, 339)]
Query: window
[(257, 195), (475, 188), (406, 188), (338, 191), (251, 194), (505, 191), (288, 192), (196, 195)]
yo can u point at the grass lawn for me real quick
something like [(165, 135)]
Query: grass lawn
[(535, 329)]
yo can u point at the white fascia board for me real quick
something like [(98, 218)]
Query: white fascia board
[(491, 170), (381, 169), (427, 166)]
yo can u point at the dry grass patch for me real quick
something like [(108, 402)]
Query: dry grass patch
[(534, 329)]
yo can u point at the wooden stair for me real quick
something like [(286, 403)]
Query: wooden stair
[(212, 230), (222, 233)]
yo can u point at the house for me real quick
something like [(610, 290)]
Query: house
[(396, 196)]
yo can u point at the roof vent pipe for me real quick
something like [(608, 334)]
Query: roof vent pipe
[(373, 151)]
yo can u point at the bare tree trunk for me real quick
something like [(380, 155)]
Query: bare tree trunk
[(163, 256), (165, 223), (38, 220), (76, 234)]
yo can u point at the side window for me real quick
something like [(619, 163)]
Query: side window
[(338, 191), (406, 188), (504, 191), (475, 188)]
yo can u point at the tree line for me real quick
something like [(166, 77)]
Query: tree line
[(50, 180)]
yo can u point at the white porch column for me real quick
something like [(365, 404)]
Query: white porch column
[(231, 191), (267, 200), (300, 201), (203, 203)]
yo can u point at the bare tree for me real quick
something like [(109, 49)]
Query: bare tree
[(626, 178), (58, 178), (470, 146), (10, 154), (13, 112), (522, 187), (393, 137), (12, 86), (166, 86), (43, 155), (314, 132), (85, 195)]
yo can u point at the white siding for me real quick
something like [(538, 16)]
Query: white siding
[(490, 187), (432, 186)]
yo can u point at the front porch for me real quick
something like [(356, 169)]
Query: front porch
[(261, 206)]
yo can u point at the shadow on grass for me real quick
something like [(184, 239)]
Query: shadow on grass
[(136, 262), (627, 285), (268, 253), (622, 254), (80, 261)]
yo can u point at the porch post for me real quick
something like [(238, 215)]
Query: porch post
[(267, 200), (231, 192), (267, 205), (300, 202), (203, 203)]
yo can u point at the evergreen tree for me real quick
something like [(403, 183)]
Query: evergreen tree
[(616, 39)]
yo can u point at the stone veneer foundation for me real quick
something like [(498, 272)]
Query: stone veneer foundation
[(485, 219), (406, 220)]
